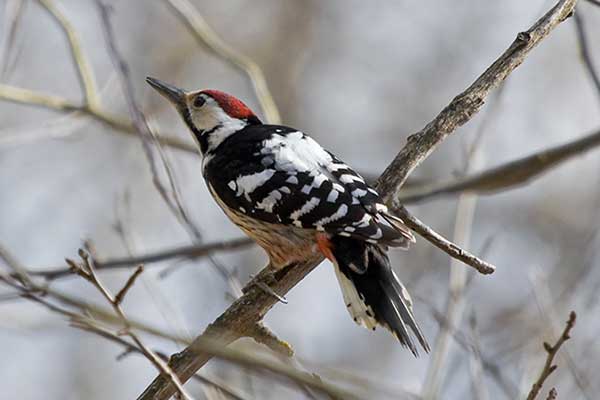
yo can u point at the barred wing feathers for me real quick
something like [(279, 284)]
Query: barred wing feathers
[(280, 175)]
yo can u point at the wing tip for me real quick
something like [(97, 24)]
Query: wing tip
[(398, 224)]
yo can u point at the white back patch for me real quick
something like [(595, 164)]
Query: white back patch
[(296, 152)]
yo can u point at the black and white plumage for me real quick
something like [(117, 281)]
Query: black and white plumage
[(280, 175), (294, 197)]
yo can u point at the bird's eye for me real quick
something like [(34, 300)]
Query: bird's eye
[(199, 101)]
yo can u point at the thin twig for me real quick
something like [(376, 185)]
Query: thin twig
[(475, 363), (13, 11), (121, 294), (452, 249), (198, 26), (84, 70), (178, 209), (585, 51), (57, 103), (87, 271), (489, 363), (137, 117), (552, 350), (91, 106), (184, 252), (132, 347), (146, 135), (249, 310), (545, 301), (464, 106), (455, 301), (552, 395), (212, 347), (25, 96)]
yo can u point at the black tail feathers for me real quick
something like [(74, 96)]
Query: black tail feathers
[(372, 292)]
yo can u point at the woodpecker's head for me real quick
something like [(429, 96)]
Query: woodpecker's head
[(211, 115)]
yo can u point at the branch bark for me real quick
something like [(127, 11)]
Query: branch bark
[(248, 310), (464, 106), (91, 314)]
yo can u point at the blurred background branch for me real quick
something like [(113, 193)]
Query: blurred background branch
[(507, 176), (205, 35)]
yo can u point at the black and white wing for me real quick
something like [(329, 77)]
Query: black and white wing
[(280, 175)]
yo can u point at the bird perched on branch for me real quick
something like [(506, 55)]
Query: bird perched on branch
[(295, 198)]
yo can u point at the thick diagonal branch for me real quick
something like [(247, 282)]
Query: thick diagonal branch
[(464, 106)]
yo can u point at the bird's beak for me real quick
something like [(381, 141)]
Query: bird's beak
[(170, 92)]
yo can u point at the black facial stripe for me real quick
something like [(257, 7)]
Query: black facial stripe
[(202, 139), (208, 132)]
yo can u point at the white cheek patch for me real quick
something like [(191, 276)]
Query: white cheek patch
[(211, 118)]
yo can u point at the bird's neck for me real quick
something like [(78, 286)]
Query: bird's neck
[(215, 135)]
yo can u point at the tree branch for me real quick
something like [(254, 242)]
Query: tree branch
[(13, 12), (91, 315), (87, 271), (198, 26), (84, 70), (92, 106), (464, 106), (57, 103), (506, 176), (247, 311), (584, 49), (452, 249), (34, 291), (184, 252), (549, 367)]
